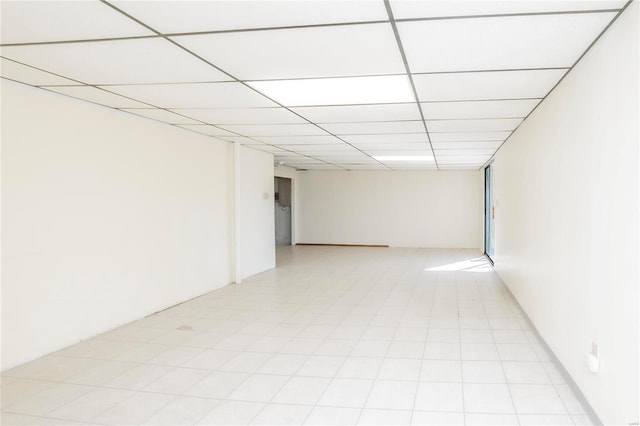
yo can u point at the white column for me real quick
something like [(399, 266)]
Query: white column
[(237, 223)]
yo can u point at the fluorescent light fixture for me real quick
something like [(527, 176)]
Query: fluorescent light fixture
[(406, 158), (337, 91)]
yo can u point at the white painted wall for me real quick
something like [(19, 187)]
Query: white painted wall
[(106, 218), (257, 223), (566, 194), (401, 209)]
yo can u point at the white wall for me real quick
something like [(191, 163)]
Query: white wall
[(400, 209), (106, 217), (257, 223), (566, 195)]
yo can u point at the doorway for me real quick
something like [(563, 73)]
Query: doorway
[(489, 214), (282, 204)]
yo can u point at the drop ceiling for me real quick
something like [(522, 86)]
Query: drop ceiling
[(321, 84)]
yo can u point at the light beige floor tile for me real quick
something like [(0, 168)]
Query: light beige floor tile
[(487, 398), (537, 399), (384, 417), (91, 404), (346, 393), (232, 413), (259, 388), (48, 399), (433, 418), (280, 414), (392, 394), (182, 411), (133, 410), (177, 381), (333, 416), (217, 385), (443, 397), (302, 391), (364, 334)]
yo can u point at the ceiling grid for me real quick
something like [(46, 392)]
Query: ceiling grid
[(323, 85)]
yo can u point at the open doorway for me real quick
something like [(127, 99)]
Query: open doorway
[(489, 214), (282, 204)]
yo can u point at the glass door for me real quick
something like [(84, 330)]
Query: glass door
[(489, 231)]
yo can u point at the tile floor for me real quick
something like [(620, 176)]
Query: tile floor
[(332, 336)]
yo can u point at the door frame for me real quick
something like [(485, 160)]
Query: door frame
[(292, 218)]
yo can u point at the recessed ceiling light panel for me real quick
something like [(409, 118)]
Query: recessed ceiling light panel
[(337, 91)]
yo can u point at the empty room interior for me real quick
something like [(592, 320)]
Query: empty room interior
[(320, 212)]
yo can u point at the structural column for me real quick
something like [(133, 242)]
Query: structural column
[(237, 223)]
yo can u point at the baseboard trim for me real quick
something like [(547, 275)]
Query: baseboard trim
[(342, 245), (590, 412)]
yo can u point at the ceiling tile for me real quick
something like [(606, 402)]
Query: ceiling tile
[(256, 130), (194, 16), (486, 85), (413, 167), (463, 152), (418, 152), (360, 113), (364, 167), (394, 146), (356, 157), (337, 91), (350, 50), (195, 95), (289, 158), (161, 115), (242, 115), (98, 96), (266, 148), (319, 166), (355, 113), (459, 167), (481, 125), (300, 140), (377, 127), (469, 136), (469, 159), (117, 62), (37, 21), (206, 129), (499, 43), (333, 148), (411, 9), (479, 109), (387, 138), (242, 139), (469, 145), (29, 75)]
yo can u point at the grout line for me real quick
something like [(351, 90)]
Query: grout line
[(424, 348), (318, 309), (464, 411), (619, 12), (396, 33), (507, 383), (237, 80), (573, 386), (325, 25), (383, 358)]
